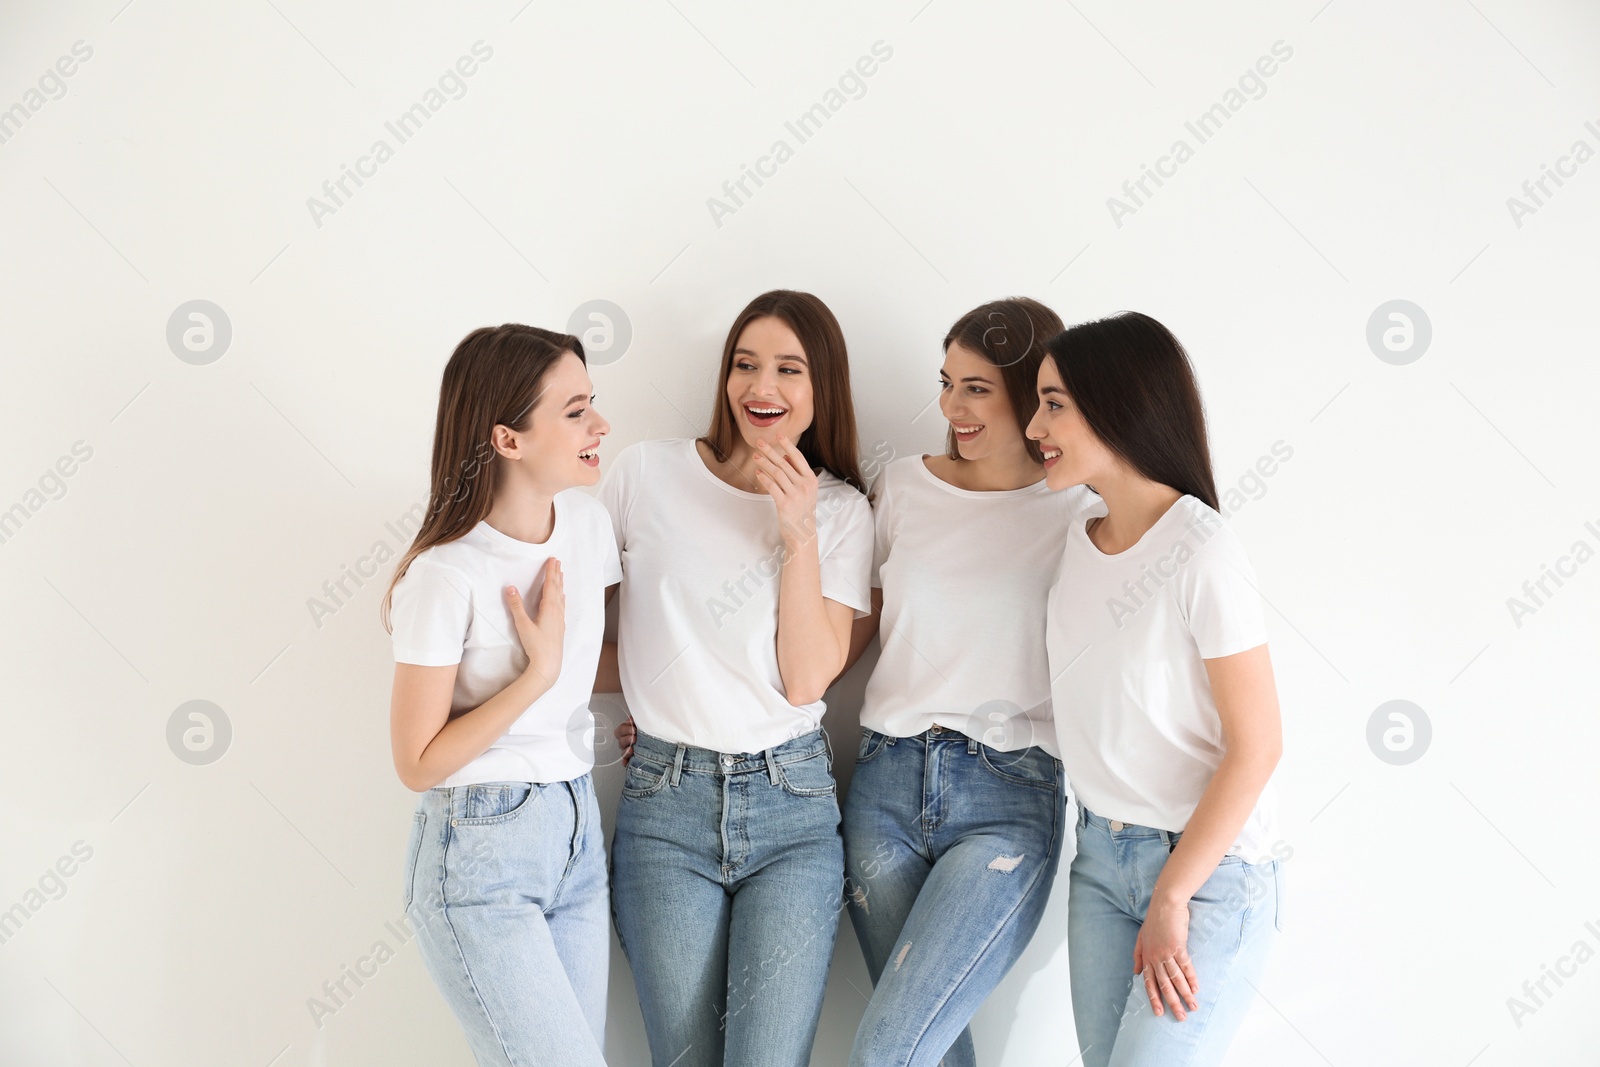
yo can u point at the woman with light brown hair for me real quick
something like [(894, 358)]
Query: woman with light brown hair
[(498, 611), (745, 559)]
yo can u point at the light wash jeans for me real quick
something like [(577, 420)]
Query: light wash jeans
[(727, 878), (1233, 922), (506, 887), (951, 849)]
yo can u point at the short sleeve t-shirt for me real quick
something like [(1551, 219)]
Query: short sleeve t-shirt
[(1129, 633), (966, 578), (698, 619), (450, 608)]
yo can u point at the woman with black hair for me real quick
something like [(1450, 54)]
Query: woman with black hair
[(1165, 708)]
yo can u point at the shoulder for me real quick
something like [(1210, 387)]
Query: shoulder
[(1215, 544), (838, 498), (585, 509)]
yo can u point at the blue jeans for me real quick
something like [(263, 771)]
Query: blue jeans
[(1233, 921), (951, 849), (727, 882), (506, 887)]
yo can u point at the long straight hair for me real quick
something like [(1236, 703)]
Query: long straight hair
[(830, 441), (1010, 334), (1136, 388), (495, 377)]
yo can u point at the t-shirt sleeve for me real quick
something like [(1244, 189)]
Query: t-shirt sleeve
[(847, 564), (882, 515), (616, 493), (430, 612), (1220, 599), (610, 558)]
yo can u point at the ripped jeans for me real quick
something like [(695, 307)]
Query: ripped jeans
[(951, 848)]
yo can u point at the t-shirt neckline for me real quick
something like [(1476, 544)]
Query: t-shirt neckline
[(980, 494), (558, 528), (1094, 549), (700, 464)]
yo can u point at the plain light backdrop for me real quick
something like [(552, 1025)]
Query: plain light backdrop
[(215, 490)]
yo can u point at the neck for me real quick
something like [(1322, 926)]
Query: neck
[(1011, 468), (1133, 505), (739, 469), (526, 513)]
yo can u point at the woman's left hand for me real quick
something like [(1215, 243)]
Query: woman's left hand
[(787, 477), (1161, 954)]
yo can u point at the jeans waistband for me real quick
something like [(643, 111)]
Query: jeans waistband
[(946, 735), (681, 757), (1123, 830)]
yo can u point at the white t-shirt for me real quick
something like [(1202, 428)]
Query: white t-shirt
[(966, 578), (451, 608), (1139, 732), (698, 622)]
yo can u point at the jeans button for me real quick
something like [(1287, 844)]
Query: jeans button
[(727, 761), (1117, 825)]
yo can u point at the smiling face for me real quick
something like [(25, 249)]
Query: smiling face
[(972, 396), (769, 383), (560, 448), (1073, 453)]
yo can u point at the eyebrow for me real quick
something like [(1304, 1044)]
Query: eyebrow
[(748, 352), (571, 400), (1052, 389), (970, 378)]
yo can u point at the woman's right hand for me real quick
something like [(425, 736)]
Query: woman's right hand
[(542, 631), (625, 733)]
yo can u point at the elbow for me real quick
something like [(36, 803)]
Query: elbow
[(800, 697), (414, 779)]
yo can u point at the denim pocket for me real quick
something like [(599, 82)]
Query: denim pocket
[(872, 743), (643, 778), (494, 802), (808, 777), (1026, 766), (419, 824)]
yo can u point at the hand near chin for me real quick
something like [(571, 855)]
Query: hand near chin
[(783, 472)]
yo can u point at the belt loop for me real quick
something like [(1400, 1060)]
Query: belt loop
[(677, 762), (772, 765), (972, 746), (827, 744)]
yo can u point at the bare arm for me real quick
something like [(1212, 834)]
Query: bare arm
[(1252, 739), (428, 744), (862, 631), (813, 632)]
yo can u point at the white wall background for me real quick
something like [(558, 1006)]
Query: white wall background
[(176, 563)]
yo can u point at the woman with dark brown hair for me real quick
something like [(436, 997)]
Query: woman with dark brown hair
[(954, 822), (498, 612), (1166, 710), (745, 559)]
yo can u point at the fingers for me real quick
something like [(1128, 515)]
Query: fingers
[(553, 598), (1164, 984), (1180, 986), (775, 470), (1151, 991), (1189, 975)]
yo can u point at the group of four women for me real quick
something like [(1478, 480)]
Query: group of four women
[(1057, 601)]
